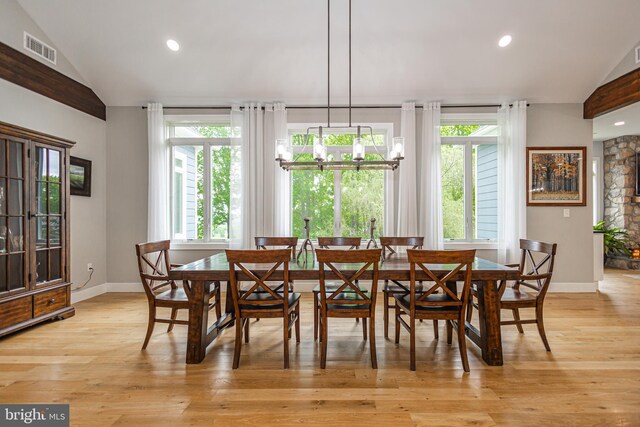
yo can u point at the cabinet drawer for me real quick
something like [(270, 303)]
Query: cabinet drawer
[(49, 301), (15, 311)]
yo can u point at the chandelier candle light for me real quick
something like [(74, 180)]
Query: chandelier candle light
[(284, 152)]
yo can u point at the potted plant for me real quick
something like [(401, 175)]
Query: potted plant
[(615, 239)]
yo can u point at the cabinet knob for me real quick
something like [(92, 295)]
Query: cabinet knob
[(52, 300)]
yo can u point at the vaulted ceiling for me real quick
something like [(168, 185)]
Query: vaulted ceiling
[(275, 50)]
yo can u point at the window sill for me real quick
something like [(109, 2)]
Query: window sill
[(471, 245), (198, 246)]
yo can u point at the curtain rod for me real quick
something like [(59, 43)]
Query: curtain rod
[(315, 107)]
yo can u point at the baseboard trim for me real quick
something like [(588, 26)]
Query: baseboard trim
[(94, 291), (568, 287)]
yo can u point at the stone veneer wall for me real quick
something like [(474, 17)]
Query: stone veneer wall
[(619, 189)]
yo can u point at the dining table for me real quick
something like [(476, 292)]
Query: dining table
[(199, 276)]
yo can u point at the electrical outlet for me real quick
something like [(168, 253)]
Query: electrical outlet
[(567, 213), (90, 266)]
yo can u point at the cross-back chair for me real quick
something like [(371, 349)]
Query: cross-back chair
[(536, 269), (351, 243), (278, 242), (439, 302), (260, 300), (395, 287), (154, 266), (348, 300)]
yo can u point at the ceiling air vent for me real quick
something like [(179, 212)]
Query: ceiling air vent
[(35, 46)]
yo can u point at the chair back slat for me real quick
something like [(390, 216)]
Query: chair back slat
[(259, 266), (154, 266), (338, 261), (537, 259), (452, 263), (329, 242), (271, 242), (389, 242)]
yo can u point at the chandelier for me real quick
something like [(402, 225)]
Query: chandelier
[(377, 161)]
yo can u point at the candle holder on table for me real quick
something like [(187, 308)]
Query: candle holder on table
[(372, 240), (307, 244)]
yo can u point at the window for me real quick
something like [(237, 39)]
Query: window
[(338, 203), (469, 162), (200, 166)]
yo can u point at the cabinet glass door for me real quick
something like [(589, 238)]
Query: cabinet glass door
[(13, 257), (49, 213)]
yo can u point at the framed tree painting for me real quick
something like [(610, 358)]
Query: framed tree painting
[(80, 176), (556, 176)]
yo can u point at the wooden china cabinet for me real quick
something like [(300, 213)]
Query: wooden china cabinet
[(34, 229)]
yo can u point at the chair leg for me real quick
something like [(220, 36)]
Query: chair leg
[(323, 339), (397, 324), (286, 336), (412, 341), (218, 302), (540, 324), (372, 343), (150, 325), (298, 323), (449, 331), (238, 343), (435, 330), (516, 317), (174, 314), (462, 344), (246, 331), (470, 310), (315, 316), (364, 328), (385, 297)]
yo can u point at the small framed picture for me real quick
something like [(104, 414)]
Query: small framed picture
[(556, 176), (80, 177)]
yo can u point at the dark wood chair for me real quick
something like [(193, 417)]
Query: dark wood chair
[(260, 300), (154, 266), (327, 243), (395, 287), (536, 269), (348, 300), (446, 305), (278, 242)]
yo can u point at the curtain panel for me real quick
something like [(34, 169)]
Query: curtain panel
[(407, 220), (158, 198), (512, 207), (431, 198)]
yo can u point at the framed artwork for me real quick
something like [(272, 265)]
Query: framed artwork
[(80, 177), (556, 176)]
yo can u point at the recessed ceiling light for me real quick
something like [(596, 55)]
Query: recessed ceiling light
[(504, 41), (173, 45), (618, 124)]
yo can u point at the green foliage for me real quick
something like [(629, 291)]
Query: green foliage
[(615, 239), (452, 165), (458, 130)]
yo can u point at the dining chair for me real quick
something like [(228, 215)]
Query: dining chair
[(395, 287), (348, 300), (446, 305), (260, 300), (536, 269), (278, 242), (154, 266), (327, 243)]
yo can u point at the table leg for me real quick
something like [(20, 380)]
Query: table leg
[(489, 319), (198, 294)]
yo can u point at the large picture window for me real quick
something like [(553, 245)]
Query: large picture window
[(338, 203), (469, 161), (200, 166)]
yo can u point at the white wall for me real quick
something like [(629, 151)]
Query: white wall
[(548, 125), (24, 108), (627, 64)]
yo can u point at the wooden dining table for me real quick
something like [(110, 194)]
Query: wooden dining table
[(198, 277)]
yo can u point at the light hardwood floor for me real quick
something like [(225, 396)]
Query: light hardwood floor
[(93, 361)]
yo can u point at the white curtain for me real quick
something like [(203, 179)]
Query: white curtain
[(158, 202), (431, 197), (407, 220), (260, 201), (512, 208)]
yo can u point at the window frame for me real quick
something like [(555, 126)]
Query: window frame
[(384, 129), (468, 142), (171, 121), (182, 171)]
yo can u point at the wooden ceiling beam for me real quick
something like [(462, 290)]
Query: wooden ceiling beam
[(618, 93), (20, 69)]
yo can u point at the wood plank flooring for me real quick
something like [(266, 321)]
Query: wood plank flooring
[(93, 361)]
